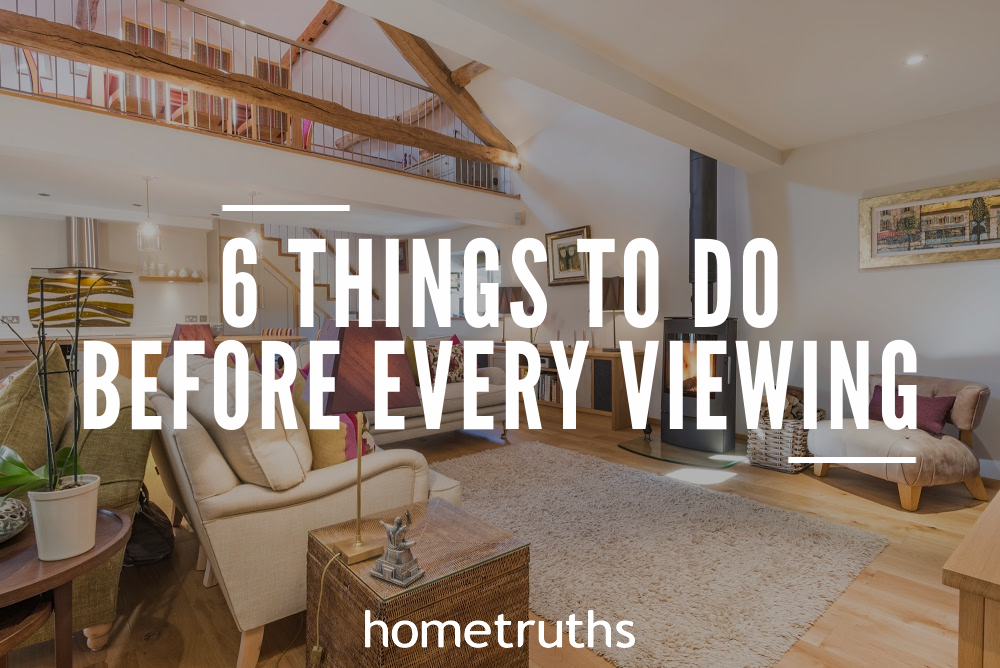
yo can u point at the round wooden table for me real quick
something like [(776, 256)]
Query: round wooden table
[(30, 590)]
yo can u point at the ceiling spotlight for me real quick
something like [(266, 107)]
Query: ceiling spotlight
[(137, 205), (43, 194), (916, 59)]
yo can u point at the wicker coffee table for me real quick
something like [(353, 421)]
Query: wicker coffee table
[(474, 571)]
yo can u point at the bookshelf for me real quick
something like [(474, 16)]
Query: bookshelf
[(601, 390)]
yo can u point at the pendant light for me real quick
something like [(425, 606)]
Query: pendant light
[(148, 234), (253, 235)]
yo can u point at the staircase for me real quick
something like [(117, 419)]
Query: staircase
[(324, 270)]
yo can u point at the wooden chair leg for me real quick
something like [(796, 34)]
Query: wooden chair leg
[(821, 469), (250, 643), (202, 559), (176, 516), (909, 497), (210, 579), (97, 636), (977, 489), (503, 430)]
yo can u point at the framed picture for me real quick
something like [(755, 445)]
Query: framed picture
[(567, 265), (947, 224), (404, 257), (456, 281)]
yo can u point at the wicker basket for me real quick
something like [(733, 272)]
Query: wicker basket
[(771, 448)]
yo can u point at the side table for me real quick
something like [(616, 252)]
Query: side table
[(473, 571), (31, 589)]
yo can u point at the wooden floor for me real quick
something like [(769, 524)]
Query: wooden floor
[(896, 613)]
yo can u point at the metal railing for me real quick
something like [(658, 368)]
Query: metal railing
[(180, 30)]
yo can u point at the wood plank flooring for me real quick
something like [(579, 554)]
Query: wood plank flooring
[(896, 613)]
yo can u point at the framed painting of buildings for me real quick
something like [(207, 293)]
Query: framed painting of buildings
[(947, 224)]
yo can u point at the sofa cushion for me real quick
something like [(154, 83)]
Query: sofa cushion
[(277, 458), (22, 420), (940, 460), (932, 412)]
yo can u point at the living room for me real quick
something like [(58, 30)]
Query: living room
[(154, 145)]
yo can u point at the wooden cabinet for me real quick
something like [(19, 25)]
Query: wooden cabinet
[(13, 357), (601, 389)]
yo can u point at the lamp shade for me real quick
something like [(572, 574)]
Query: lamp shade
[(354, 368), (614, 293), (193, 333), (511, 294)]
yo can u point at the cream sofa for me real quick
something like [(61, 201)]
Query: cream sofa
[(492, 402), (940, 460), (251, 497)]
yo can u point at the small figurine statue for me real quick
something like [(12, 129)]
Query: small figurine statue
[(647, 431), (398, 565)]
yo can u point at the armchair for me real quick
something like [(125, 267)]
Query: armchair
[(940, 460), (254, 536)]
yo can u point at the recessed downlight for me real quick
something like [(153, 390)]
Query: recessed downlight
[(43, 194), (137, 204), (916, 59)]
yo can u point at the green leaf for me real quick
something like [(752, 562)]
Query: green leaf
[(24, 489), (11, 462)]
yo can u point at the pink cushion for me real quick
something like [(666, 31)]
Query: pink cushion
[(455, 340), (932, 412)]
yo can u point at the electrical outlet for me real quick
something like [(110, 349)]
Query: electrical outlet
[(203, 318), (190, 318), (10, 319)]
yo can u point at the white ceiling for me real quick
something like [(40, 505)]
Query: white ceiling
[(796, 72), (743, 81)]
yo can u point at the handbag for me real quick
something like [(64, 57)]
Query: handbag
[(152, 534)]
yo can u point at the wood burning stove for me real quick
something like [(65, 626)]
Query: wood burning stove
[(702, 224), (722, 402)]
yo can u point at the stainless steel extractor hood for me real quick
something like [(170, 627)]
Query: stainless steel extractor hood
[(81, 242)]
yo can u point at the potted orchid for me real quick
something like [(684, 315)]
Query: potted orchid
[(63, 498)]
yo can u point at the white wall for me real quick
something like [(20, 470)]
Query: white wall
[(809, 209), (26, 243), (590, 169)]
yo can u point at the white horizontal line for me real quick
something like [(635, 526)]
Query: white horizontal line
[(852, 460), (286, 208)]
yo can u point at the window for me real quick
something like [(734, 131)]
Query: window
[(458, 281)]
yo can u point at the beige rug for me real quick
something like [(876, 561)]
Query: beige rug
[(709, 579)]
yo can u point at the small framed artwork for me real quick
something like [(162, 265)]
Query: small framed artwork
[(404, 256), (456, 281), (567, 265), (947, 224)]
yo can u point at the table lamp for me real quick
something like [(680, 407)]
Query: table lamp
[(509, 295), (614, 301), (193, 333), (354, 392)]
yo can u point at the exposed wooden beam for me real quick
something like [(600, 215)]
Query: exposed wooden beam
[(65, 41), (466, 73), (411, 116), (320, 23), (432, 69), (86, 13)]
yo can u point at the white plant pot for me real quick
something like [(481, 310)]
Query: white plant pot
[(65, 520)]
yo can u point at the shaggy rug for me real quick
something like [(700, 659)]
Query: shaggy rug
[(708, 579)]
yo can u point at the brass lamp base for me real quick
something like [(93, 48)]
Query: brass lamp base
[(352, 554)]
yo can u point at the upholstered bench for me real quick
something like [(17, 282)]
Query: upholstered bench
[(940, 460)]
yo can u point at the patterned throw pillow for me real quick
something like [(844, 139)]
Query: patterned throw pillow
[(9, 379), (456, 366), (432, 359)]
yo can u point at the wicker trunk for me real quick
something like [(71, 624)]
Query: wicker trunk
[(474, 571), (771, 448)]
